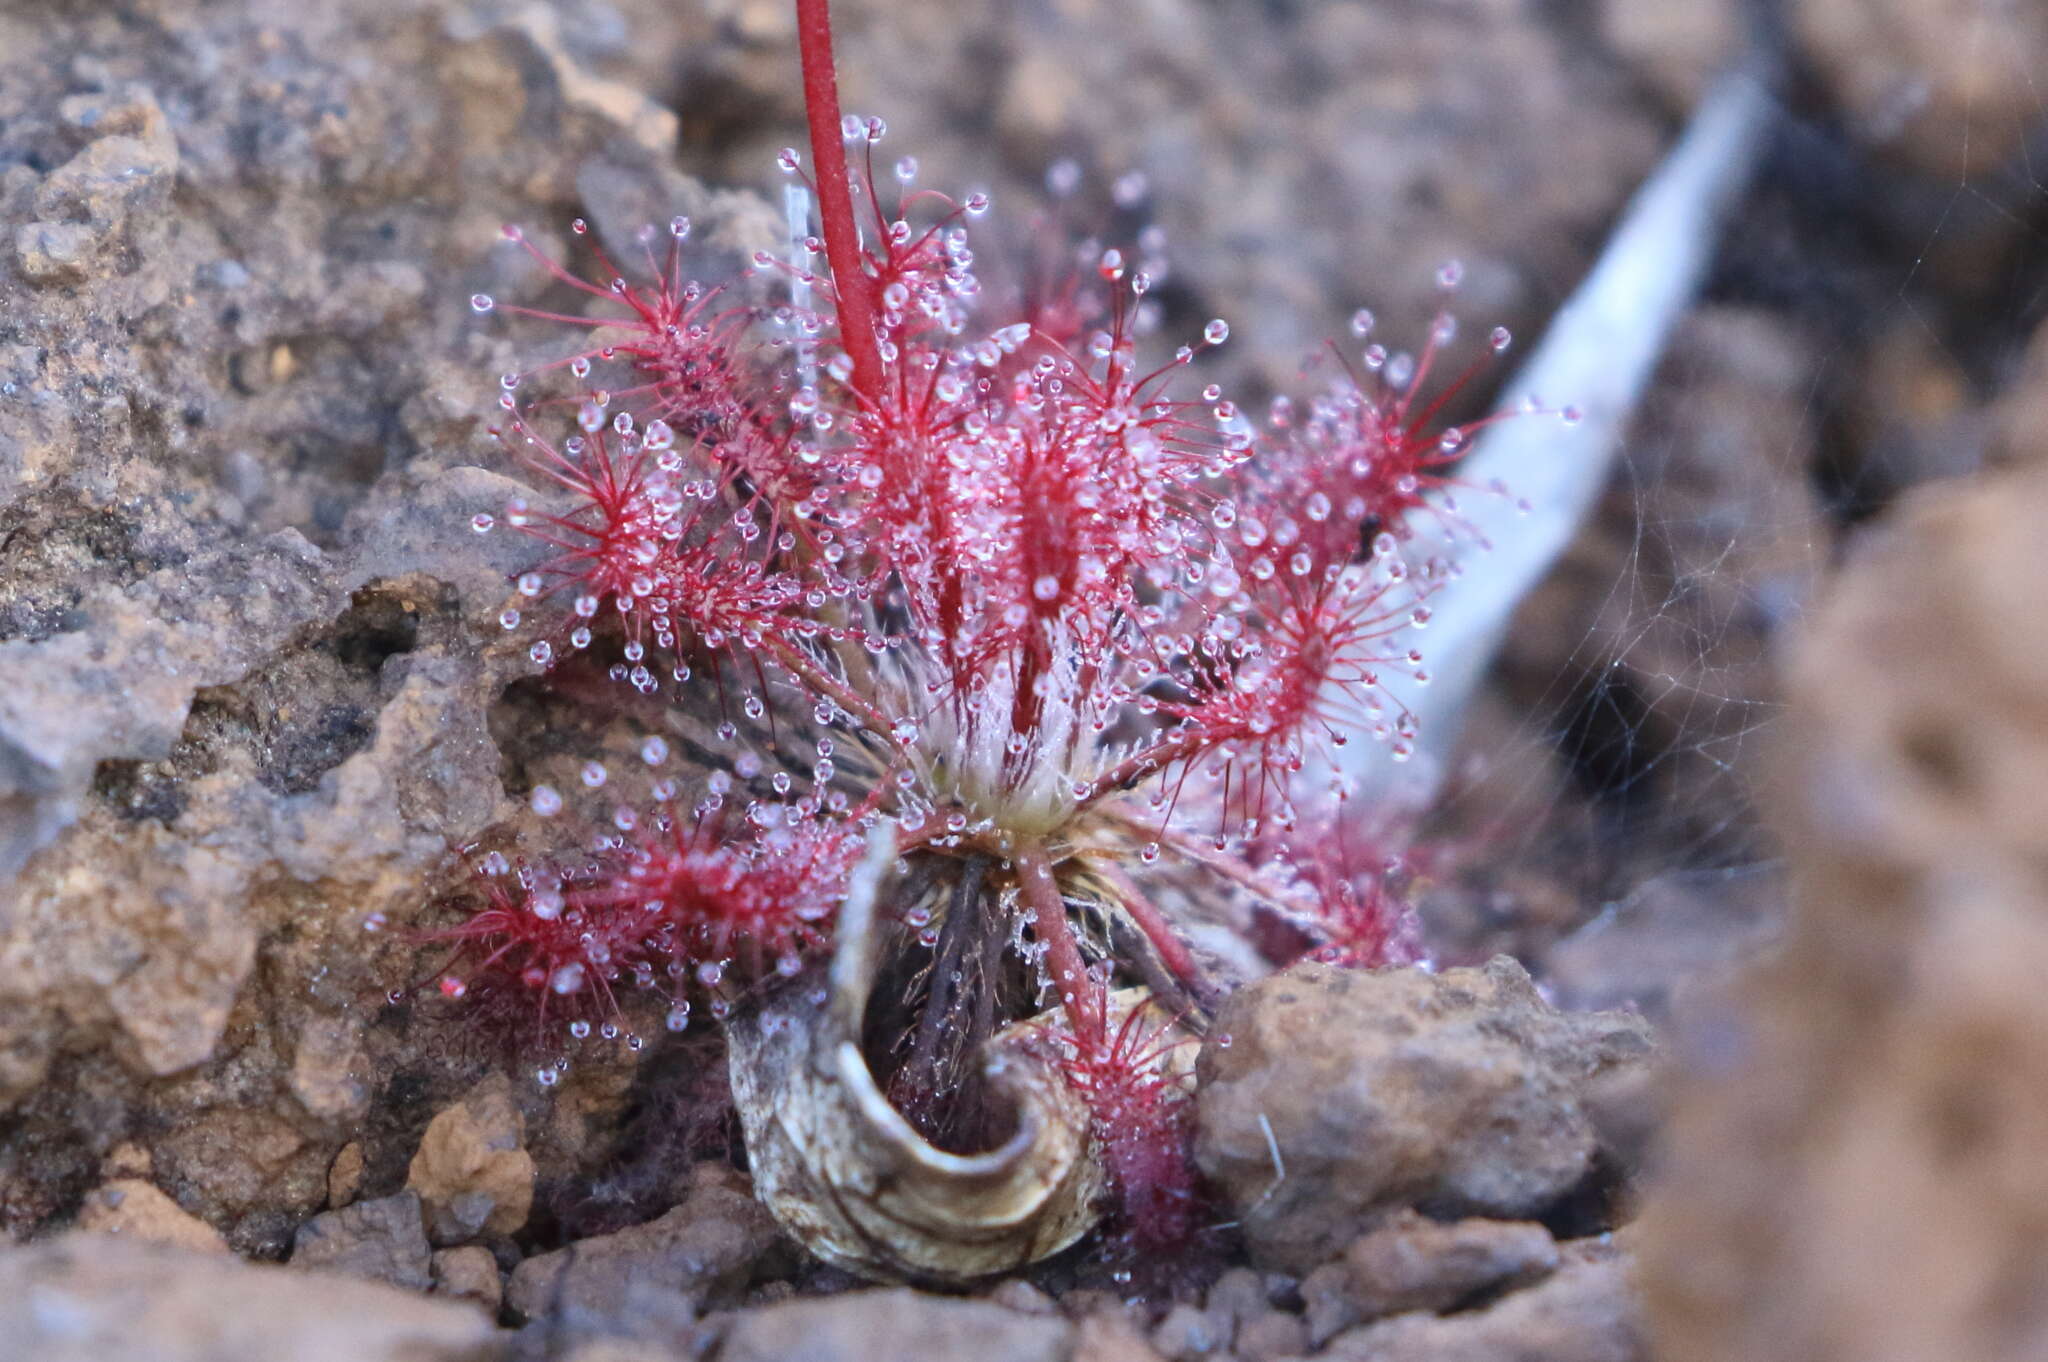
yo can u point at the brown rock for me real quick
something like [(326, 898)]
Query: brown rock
[(655, 1275), (1680, 48), (1189, 1331), (1854, 1166), (469, 1273), (1237, 1295), (128, 1159), (625, 1350), (136, 1209), (1913, 74), (1343, 1097), (87, 1298), (329, 1069), (2020, 417), (345, 1175), (1918, 415), (894, 1326), (1014, 1293), (229, 1163), (472, 1172), (1586, 1312), (1271, 1336), (1413, 1263), (1111, 1337), (380, 1239), (205, 760)]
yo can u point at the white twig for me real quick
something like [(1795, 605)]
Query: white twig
[(1279, 1166), (796, 211)]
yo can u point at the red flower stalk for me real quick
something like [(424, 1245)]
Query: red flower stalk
[(853, 291)]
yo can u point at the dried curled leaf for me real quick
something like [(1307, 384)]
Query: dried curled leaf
[(850, 1179)]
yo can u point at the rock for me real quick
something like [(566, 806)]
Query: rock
[(137, 1210), (128, 1159), (1585, 1312), (87, 1298), (164, 949), (1679, 48), (1458, 1093), (469, 1273), (1238, 1295), (1188, 1331), (232, 1163), (1412, 1263), (239, 391), (894, 1326), (1910, 75), (640, 1281), (1852, 1166), (129, 164), (1111, 1337), (472, 1172), (329, 1068), (54, 252), (1014, 1293), (1271, 1336), (626, 1350), (380, 1239), (345, 1175), (2019, 420)]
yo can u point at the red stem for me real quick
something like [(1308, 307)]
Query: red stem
[(1173, 952), (851, 287), (827, 685), (1062, 953)]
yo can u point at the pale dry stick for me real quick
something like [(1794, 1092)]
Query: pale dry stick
[(796, 213), (1597, 355)]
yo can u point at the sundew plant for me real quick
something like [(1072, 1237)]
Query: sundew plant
[(1080, 629)]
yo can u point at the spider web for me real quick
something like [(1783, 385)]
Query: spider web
[(1867, 309)]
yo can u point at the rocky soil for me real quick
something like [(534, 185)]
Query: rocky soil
[(255, 692)]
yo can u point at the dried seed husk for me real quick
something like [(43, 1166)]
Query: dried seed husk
[(853, 1182)]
